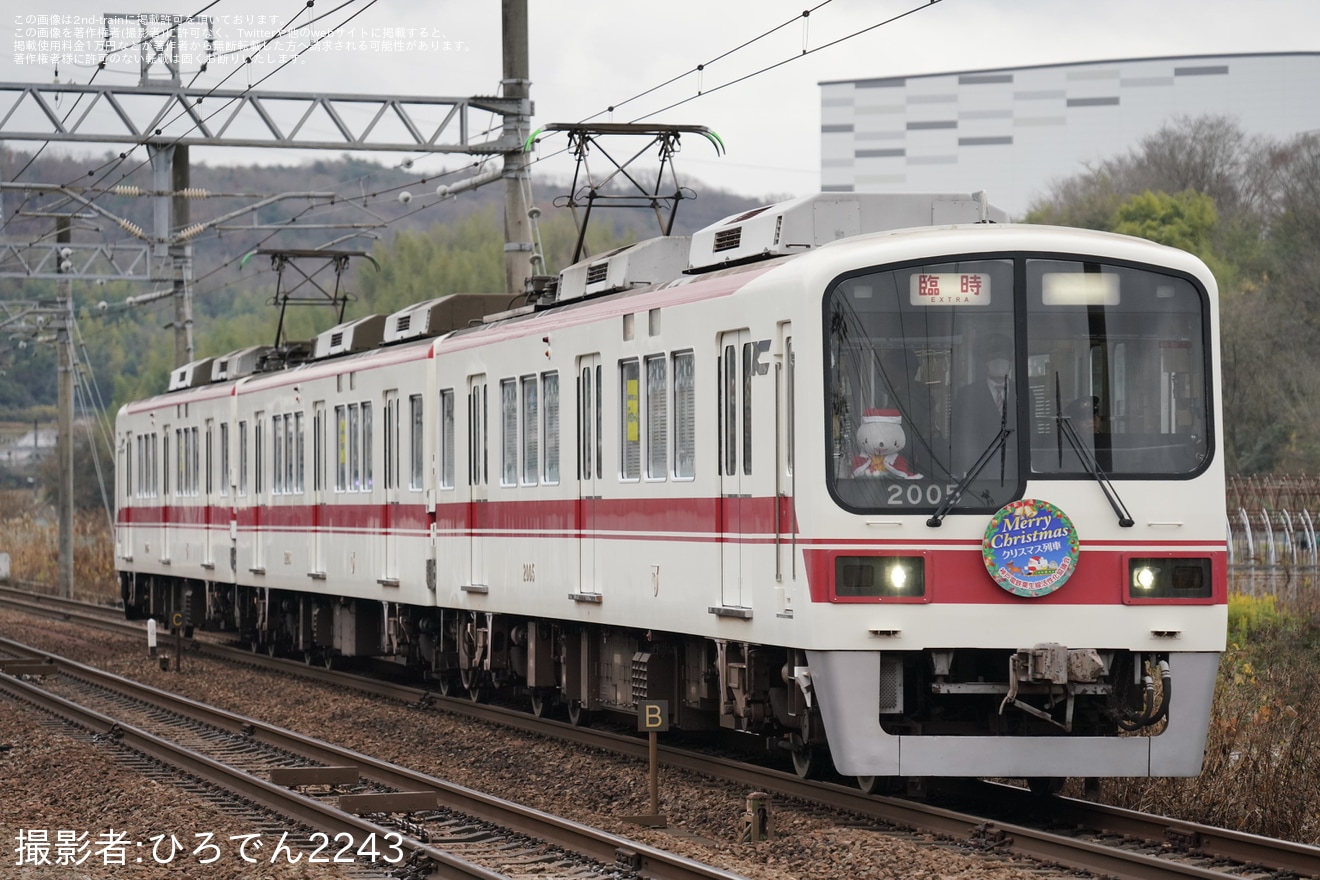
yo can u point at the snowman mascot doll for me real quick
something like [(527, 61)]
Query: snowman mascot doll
[(881, 440)]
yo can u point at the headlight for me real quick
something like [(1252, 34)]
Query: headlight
[(879, 577), (1176, 578)]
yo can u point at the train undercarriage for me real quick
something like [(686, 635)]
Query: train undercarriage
[(708, 684)]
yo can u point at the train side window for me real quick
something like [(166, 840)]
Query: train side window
[(657, 417), (224, 458), (341, 448), (531, 430), (447, 438), (630, 422), (242, 458), (685, 413), (550, 424), (509, 434), (354, 447), (415, 442)]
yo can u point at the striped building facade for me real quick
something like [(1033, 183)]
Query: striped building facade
[(1013, 131)]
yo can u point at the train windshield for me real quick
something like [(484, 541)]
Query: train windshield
[(985, 373)]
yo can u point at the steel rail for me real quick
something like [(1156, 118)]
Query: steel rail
[(282, 801), (574, 836)]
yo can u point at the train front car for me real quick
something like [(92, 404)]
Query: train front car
[(1018, 568)]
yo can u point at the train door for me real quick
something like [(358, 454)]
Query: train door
[(318, 489), (208, 487), (166, 526), (735, 435), (478, 477), (259, 501), (590, 472), (389, 516)]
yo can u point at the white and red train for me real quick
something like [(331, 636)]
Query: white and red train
[(868, 476)]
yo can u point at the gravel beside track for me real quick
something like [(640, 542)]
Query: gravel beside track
[(592, 787)]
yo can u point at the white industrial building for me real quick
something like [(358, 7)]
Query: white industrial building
[(1012, 131)]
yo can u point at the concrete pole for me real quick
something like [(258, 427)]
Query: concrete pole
[(181, 262), (64, 443), (517, 126)]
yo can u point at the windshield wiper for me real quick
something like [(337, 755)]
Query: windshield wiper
[(998, 443), (1088, 460)]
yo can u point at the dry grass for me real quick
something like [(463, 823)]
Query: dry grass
[(29, 533), (1262, 758)]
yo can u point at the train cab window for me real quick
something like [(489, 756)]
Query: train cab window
[(1118, 370), (920, 364), (415, 442), (447, 439), (550, 427), (685, 410)]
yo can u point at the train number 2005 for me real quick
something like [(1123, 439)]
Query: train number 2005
[(916, 494)]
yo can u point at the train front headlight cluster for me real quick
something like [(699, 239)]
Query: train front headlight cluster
[(879, 577), (1170, 578)]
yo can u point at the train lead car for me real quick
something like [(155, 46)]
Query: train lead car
[(879, 479)]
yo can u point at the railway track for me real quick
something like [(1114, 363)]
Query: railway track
[(461, 832), (1077, 834)]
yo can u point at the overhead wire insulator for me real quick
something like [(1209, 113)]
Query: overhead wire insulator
[(131, 228), (125, 189), (189, 231), (194, 192)]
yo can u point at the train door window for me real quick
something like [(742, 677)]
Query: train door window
[(550, 426), (224, 458), (341, 448), (585, 423), (298, 456), (195, 480), (258, 453), (729, 411), (354, 447), (790, 401), (277, 454), (531, 430), (242, 458), (509, 432), (392, 440), (478, 472), (630, 422), (210, 458), (685, 411), (415, 442), (368, 473), (447, 438), (127, 468), (290, 452), (748, 367), (657, 417), (318, 446), (165, 462)]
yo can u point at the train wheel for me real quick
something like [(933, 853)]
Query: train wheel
[(476, 683), (577, 715), (329, 660), (540, 702), (870, 784), (808, 762), (445, 684)]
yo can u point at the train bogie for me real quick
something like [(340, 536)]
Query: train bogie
[(936, 501)]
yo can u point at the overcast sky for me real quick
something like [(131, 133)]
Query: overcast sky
[(588, 55)]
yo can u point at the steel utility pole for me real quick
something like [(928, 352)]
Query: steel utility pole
[(518, 247), (64, 443)]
